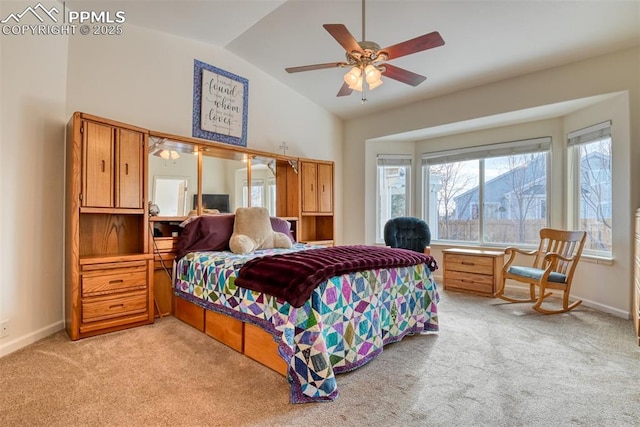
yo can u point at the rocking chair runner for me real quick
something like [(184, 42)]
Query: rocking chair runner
[(555, 262)]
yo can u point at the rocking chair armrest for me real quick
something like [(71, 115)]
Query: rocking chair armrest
[(512, 251), (555, 257)]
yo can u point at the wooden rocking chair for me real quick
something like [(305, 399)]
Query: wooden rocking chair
[(553, 266)]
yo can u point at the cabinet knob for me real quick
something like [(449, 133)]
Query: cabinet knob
[(103, 165)]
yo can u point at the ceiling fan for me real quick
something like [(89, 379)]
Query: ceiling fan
[(367, 61)]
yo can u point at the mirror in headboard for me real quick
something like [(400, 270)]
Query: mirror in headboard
[(185, 173), (223, 173), (263, 183), (173, 175)]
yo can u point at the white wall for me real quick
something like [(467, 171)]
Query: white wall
[(617, 72), (144, 78), (33, 115)]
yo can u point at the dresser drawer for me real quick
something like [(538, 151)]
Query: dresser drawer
[(481, 279), (117, 280), (470, 286), (165, 244), (108, 307), (472, 264)]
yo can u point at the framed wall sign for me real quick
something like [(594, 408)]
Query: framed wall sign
[(220, 104)]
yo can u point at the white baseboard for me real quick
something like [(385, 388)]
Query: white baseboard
[(605, 308), (23, 341), (592, 304)]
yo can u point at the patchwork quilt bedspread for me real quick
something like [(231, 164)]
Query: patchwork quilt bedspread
[(344, 324)]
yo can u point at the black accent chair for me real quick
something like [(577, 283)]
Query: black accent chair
[(408, 233)]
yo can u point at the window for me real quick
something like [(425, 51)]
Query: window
[(393, 196), (592, 186), (271, 196), (257, 193), (494, 194)]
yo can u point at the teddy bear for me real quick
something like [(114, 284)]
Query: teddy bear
[(252, 231)]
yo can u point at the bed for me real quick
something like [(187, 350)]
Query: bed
[(345, 322)]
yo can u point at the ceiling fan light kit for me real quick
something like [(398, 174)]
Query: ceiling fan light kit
[(366, 59)]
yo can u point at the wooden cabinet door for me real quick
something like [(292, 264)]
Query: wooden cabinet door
[(97, 184), (309, 175), (129, 169), (325, 188)]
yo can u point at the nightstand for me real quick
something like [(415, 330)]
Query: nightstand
[(472, 270)]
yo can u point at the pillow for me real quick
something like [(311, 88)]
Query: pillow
[(282, 226), (194, 214), (252, 231), (206, 233)]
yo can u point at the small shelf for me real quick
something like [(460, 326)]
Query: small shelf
[(167, 218), (317, 213), (85, 260)]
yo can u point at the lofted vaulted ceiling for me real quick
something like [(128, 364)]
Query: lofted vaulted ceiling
[(485, 41)]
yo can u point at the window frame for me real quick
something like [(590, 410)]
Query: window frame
[(575, 139), (481, 153), (392, 160)]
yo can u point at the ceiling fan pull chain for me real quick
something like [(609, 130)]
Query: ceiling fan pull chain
[(363, 99)]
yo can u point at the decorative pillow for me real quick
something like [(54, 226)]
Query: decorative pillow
[(252, 231), (282, 226), (206, 233)]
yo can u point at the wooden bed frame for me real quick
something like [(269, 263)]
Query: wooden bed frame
[(245, 338)]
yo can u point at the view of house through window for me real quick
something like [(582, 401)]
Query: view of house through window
[(393, 196), (590, 151), (498, 197), (453, 200)]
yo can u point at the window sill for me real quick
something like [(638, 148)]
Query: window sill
[(593, 259)]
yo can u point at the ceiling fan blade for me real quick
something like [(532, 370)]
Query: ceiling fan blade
[(315, 67), (343, 36), (402, 75), (427, 41), (344, 90)]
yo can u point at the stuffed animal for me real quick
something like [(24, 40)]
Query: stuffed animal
[(252, 231)]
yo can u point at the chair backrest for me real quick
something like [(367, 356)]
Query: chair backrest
[(568, 244), (407, 233)]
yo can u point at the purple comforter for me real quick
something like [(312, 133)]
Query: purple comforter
[(294, 276)]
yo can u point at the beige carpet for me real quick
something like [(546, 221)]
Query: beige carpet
[(492, 364)]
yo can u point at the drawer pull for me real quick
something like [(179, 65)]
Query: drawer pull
[(114, 281), (116, 306), (467, 263)]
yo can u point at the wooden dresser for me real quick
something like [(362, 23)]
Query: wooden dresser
[(474, 271), (636, 280), (108, 262)]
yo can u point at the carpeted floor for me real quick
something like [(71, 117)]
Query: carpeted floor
[(492, 364)]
